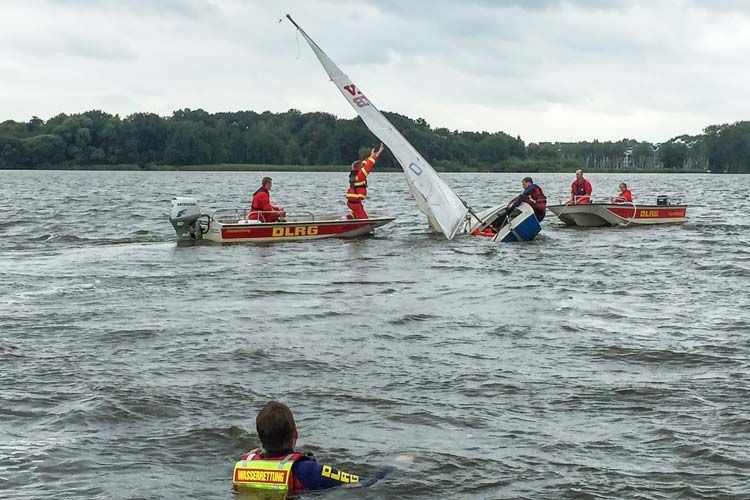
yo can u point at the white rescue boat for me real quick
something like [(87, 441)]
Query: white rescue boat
[(621, 214)]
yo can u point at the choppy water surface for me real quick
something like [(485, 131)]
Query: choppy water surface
[(590, 363)]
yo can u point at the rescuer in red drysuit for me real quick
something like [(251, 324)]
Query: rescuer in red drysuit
[(357, 191), (580, 190), (261, 208), (624, 196)]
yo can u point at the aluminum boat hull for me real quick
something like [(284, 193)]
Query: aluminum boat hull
[(618, 214)]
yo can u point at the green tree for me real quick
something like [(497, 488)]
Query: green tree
[(44, 150), (263, 146), (673, 155), (12, 153), (148, 133), (189, 143), (643, 155), (10, 128), (34, 125)]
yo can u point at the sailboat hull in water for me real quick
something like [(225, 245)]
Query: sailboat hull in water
[(522, 225)]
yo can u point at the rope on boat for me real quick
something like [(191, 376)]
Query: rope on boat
[(561, 211), (632, 217)]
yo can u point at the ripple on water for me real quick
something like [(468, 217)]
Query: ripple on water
[(596, 363)]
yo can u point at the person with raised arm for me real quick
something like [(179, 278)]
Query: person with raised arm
[(357, 191)]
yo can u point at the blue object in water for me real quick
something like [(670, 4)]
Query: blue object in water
[(523, 226)]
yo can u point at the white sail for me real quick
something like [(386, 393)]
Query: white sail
[(444, 209)]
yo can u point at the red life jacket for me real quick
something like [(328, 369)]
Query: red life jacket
[(579, 191), (538, 202), (625, 196), (579, 188), (353, 183), (357, 191)]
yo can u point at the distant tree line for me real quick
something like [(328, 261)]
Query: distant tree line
[(196, 137), (680, 153)]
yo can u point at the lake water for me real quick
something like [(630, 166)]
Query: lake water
[(590, 363)]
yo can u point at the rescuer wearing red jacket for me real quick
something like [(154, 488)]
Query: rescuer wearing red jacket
[(261, 208), (357, 191), (624, 196), (580, 190), (276, 467)]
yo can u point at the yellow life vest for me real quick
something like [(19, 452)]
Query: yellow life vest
[(257, 473)]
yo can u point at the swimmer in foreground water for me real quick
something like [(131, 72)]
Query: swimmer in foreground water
[(277, 467)]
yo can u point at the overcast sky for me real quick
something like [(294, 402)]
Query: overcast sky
[(544, 70)]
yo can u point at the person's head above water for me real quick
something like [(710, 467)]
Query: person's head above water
[(276, 428)]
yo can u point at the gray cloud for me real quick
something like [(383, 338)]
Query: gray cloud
[(169, 8), (548, 70), (74, 46)]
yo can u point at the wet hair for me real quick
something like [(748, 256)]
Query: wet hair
[(527, 179), (275, 426), (624, 185), (265, 181)]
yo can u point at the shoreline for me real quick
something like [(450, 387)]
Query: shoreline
[(342, 168)]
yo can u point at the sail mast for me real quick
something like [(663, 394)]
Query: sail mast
[(443, 208)]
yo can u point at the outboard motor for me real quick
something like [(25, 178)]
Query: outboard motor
[(185, 217)]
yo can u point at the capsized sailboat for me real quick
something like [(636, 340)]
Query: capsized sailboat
[(445, 211)]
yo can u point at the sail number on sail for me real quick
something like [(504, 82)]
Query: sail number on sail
[(359, 98)]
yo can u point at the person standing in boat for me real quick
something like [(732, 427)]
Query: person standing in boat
[(625, 195), (534, 196), (277, 467), (580, 190), (261, 208), (357, 191)]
